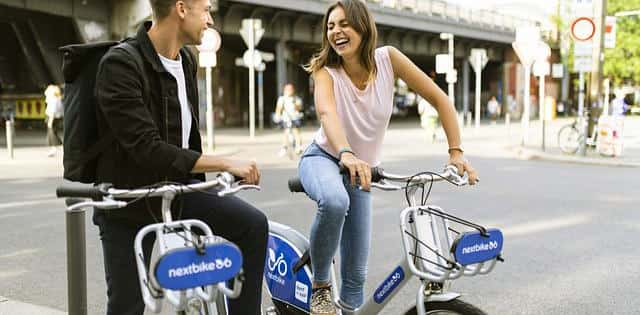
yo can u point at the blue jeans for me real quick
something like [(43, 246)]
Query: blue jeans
[(343, 218)]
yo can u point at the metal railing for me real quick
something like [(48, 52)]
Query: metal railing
[(448, 11)]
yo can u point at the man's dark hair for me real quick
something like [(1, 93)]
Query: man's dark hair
[(161, 8)]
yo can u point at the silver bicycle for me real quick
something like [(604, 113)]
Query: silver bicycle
[(191, 271), (438, 249)]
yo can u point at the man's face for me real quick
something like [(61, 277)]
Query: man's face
[(196, 19)]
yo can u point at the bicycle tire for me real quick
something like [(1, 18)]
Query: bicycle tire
[(452, 307), (569, 139)]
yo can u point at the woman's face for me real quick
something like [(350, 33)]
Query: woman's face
[(342, 37)]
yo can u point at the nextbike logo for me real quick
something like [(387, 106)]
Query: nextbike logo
[(277, 267), (201, 267), (280, 264), (390, 284), (480, 247), (185, 268)]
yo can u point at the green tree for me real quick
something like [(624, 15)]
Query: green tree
[(622, 63)]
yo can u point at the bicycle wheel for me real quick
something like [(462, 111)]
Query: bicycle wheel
[(453, 307), (569, 139)]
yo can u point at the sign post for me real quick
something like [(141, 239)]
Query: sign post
[(582, 30), (478, 60), (251, 32), (211, 42), (527, 38)]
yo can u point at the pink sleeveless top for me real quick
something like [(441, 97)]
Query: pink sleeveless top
[(364, 114)]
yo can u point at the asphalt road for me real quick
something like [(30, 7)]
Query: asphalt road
[(570, 236)]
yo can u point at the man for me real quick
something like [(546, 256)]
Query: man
[(152, 113), (289, 108)]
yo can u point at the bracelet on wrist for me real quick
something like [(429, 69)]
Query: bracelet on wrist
[(459, 149), (344, 150)]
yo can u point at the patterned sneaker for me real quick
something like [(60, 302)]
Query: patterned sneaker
[(322, 303)]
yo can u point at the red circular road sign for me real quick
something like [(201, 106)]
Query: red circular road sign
[(583, 28)]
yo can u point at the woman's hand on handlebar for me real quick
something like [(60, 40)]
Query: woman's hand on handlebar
[(357, 168), (457, 159), (247, 170)]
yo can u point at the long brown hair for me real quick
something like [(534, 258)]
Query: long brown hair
[(362, 22)]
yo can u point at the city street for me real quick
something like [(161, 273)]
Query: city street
[(569, 228)]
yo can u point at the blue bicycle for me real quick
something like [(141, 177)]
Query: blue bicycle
[(438, 248)]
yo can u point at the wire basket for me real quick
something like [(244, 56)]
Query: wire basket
[(439, 246)]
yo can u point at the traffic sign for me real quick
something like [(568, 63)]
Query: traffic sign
[(249, 26), (250, 60), (583, 28), (610, 32), (478, 59), (211, 41), (583, 49), (582, 64), (443, 63)]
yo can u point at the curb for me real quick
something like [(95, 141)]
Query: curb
[(528, 154)]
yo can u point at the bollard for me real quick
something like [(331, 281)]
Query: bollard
[(76, 263), (9, 127)]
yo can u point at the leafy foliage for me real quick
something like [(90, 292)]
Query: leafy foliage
[(622, 63)]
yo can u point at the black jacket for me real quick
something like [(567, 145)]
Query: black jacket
[(140, 107)]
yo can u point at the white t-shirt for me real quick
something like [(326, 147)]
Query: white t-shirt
[(175, 68), (289, 107)]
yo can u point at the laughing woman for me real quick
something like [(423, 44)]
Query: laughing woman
[(354, 100)]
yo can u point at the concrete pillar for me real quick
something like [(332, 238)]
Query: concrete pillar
[(281, 65)]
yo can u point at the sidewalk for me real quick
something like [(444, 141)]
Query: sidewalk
[(10, 307), (403, 140)]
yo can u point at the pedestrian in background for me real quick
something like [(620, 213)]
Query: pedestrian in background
[(428, 118), (493, 109), (53, 114), (618, 105), (289, 109)]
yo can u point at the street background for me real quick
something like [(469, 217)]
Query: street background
[(569, 222)]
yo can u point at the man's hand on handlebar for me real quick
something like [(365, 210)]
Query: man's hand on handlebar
[(357, 168), (456, 159), (247, 170)]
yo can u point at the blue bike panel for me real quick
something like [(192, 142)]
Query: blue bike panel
[(388, 285), (471, 247), (184, 268), (283, 284)]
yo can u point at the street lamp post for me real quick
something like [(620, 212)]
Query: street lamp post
[(451, 74)]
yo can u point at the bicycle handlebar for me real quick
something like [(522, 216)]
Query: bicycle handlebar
[(102, 195), (379, 176)]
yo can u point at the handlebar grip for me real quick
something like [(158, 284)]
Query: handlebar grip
[(376, 172), (81, 191), (295, 185)]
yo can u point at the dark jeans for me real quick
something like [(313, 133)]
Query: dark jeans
[(229, 217)]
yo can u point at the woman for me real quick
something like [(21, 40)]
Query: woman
[(354, 100)]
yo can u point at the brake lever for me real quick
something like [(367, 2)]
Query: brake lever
[(232, 190), (383, 185)]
